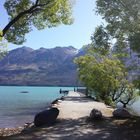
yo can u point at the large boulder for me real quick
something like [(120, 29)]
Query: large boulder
[(96, 114), (121, 113), (46, 117)]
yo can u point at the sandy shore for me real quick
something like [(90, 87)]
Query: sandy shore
[(72, 123)]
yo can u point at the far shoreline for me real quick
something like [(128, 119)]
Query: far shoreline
[(41, 86)]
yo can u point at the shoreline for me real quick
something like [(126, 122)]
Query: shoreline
[(81, 106), (39, 86), (72, 121), (9, 131)]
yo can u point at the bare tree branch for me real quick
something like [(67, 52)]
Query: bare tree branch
[(32, 9)]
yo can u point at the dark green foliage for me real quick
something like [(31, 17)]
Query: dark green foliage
[(106, 78), (100, 40), (135, 42), (101, 74), (122, 25), (136, 82), (123, 20), (24, 14)]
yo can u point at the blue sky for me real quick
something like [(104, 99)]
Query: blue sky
[(77, 34)]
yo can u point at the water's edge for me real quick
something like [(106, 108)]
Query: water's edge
[(33, 103), (19, 105)]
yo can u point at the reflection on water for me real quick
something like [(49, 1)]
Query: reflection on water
[(18, 108), (136, 107)]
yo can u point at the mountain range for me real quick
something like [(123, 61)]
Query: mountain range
[(41, 67), (49, 67)]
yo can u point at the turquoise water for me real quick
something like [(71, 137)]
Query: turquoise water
[(18, 108), (136, 107)]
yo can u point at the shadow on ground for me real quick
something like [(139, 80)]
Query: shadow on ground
[(78, 99), (82, 129)]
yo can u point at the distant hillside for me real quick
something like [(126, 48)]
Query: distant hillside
[(48, 67), (52, 67)]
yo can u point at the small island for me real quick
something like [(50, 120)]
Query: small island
[(24, 92)]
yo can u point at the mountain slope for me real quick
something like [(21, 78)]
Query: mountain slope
[(52, 67), (49, 67)]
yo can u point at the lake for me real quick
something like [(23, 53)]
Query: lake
[(136, 107), (18, 105)]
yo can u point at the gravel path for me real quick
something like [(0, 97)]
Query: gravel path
[(76, 106)]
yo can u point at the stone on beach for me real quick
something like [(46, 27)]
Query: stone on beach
[(46, 117), (121, 113), (95, 114)]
